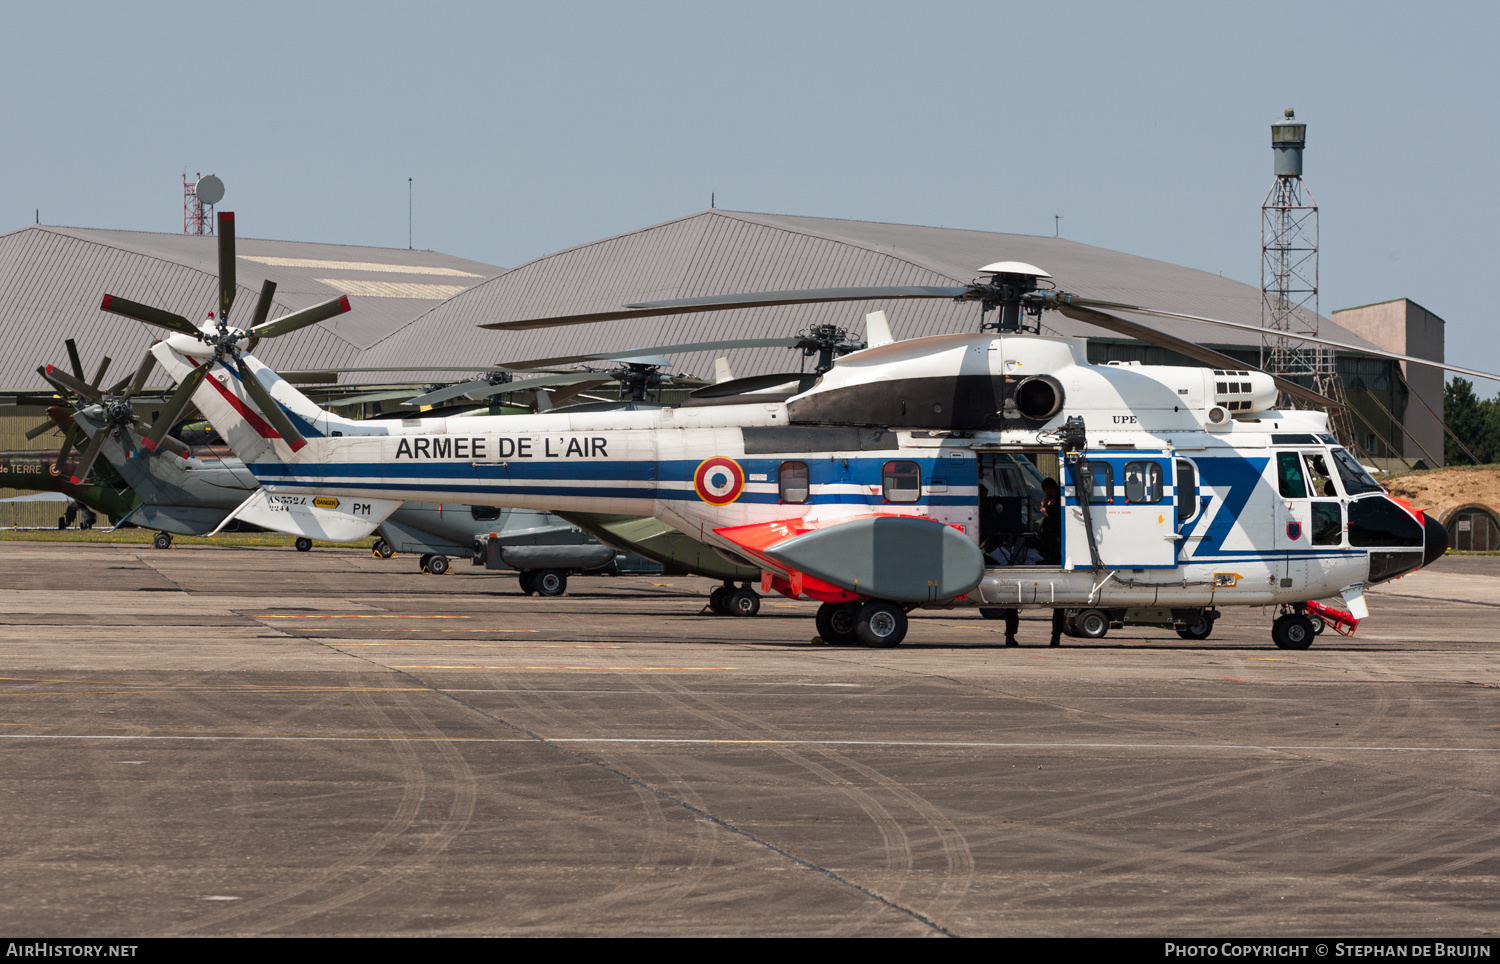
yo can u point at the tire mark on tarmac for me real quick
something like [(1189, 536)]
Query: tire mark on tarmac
[(957, 853), (678, 800), (414, 791)]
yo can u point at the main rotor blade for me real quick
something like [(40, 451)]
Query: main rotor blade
[(65, 451), (756, 383), (758, 299), (269, 408), (263, 303), (48, 426), (301, 319), (99, 375), (1379, 353), (483, 389), (73, 359), (226, 262), (168, 442), (1208, 356), (96, 444), (75, 385), (660, 350), (175, 406), (140, 375), (148, 314)]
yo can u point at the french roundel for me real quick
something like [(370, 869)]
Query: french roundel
[(719, 481)]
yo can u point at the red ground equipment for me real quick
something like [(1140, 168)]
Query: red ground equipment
[(1343, 623)]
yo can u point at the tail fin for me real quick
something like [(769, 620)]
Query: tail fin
[(229, 408)]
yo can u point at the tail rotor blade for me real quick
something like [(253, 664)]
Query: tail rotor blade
[(263, 304), (269, 408), (226, 262), (175, 406), (148, 314), (73, 359), (90, 454), (301, 319)]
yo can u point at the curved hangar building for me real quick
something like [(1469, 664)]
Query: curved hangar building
[(722, 252)]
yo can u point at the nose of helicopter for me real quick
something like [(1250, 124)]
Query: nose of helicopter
[(1434, 540)]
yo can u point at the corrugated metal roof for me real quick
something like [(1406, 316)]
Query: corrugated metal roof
[(722, 252), (52, 280)]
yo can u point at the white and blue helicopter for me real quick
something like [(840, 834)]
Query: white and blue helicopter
[(889, 484)]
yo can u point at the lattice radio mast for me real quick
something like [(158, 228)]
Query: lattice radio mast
[(1289, 276)]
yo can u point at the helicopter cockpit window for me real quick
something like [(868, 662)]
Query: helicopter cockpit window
[(1356, 480), (1143, 483), (1319, 477), (901, 481), (1289, 476), (793, 482), (484, 513)]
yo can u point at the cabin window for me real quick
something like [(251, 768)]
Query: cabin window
[(484, 513), (793, 482), (902, 482), (1187, 490), (1289, 476), (1143, 483), (1102, 489)]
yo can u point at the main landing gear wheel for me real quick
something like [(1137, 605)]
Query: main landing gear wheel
[(382, 549), (880, 624), (1199, 627), (716, 599), (436, 564), (1292, 632), (742, 602), (1091, 624), (549, 582), (992, 613), (163, 540), (835, 623), (303, 544), (525, 580)]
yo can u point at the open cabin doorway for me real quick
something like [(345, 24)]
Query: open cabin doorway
[(1020, 514)]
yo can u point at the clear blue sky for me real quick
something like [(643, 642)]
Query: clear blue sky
[(530, 127)]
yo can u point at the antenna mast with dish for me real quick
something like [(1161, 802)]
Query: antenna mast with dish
[(198, 199)]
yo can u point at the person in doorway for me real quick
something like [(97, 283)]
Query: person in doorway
[(1049, 530)]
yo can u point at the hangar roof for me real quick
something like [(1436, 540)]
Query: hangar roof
[(721, 252), (53, 278)]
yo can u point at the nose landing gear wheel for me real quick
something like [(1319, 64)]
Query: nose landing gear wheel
[(1292, 632), (383, 549), (549, 582), (880, 624), (835, 623), (303, 544), (163, 540)]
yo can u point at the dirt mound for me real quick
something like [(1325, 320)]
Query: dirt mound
[(1441, 490)]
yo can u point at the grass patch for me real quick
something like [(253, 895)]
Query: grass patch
[(143, 537)]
